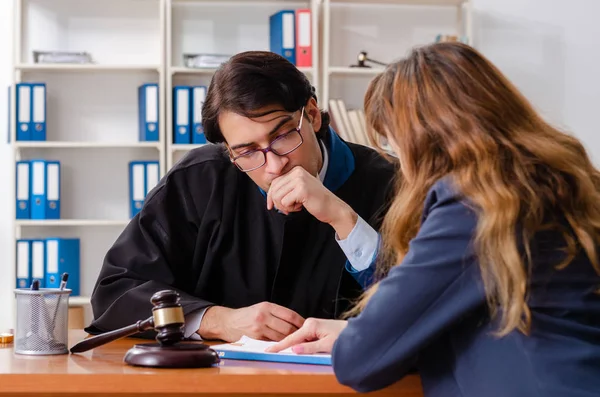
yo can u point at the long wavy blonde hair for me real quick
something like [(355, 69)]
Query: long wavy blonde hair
[(450, 112)]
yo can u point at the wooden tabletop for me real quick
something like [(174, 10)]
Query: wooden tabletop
[(102, 372)]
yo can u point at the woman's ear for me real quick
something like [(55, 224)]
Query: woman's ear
[(313, 113)]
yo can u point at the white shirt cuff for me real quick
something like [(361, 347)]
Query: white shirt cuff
[(192, 324), (360, 246)]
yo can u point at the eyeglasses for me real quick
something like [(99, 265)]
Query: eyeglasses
[(282, 145)]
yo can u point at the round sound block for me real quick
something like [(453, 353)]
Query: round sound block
[(179, 355)]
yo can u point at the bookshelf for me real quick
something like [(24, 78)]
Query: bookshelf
[(92, 109), (386, 30), (222, 27), (91, 116)]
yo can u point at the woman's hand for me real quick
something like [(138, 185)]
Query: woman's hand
[(315, 336)]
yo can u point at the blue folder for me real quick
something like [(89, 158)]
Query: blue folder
[(52, 210), (23, 263), (253, 350), (274, 357), (38, 261), (137, 186), (148, 112), (282, 31), (63, 255), (23, 184), (38, 112), (38, 189), (23, 111), (198, 97), (181, 114)]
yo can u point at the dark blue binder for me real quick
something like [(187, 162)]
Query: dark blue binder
[(148, 112), (198, 97), (23, 189), (63, 255), (137, 186), (282, 30), (23, 111), (23, 263), (52, 210), (181, 114), (38, 189), (38, 112), (38, 261)]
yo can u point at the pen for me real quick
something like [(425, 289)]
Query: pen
[(63, 281), (35, 307), (63, 284)]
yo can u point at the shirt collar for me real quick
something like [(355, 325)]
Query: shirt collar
[(323, 171)]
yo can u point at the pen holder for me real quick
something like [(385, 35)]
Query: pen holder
[(42, 321)]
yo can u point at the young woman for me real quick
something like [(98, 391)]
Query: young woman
[(494, 231)]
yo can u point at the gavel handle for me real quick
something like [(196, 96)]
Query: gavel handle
[(377, 62), (102, 339)]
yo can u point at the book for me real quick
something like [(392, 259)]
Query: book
[(254, 350)]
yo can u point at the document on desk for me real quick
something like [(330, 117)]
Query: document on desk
[(254, 350)]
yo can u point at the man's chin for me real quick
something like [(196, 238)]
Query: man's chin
[(266, 185)]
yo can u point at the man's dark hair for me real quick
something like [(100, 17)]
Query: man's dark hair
[(250, 81)]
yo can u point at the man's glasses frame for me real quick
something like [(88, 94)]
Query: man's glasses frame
[(270, 147)]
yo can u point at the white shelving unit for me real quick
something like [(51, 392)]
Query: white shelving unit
[(386, 30), (91, 116), (92, 108), (222, 27)]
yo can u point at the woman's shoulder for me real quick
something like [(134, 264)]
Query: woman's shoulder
[(443, 190), (445, 194)]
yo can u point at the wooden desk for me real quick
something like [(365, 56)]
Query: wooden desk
[(101, 372)]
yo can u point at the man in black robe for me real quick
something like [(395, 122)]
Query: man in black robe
[(272, 223)]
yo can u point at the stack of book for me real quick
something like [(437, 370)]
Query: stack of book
[(350, 124)]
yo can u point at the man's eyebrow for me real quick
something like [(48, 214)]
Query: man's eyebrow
[(285, 119)]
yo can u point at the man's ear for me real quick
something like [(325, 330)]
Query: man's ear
[(313, 114)]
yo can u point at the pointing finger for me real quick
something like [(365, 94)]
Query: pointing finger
[(309, 348), (296, 338)]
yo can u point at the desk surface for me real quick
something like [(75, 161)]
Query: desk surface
[(101, 372)]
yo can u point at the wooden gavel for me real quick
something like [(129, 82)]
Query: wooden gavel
[(169, 322), (167, 319), (362, 58)]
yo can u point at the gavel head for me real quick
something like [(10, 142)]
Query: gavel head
[(168, 317), (362, 59)]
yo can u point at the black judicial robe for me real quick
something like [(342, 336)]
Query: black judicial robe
[(205, 232)]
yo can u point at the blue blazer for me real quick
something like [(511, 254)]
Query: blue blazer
[(430, 314)]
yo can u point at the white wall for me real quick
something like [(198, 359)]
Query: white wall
[(546, 47), (549, 49)]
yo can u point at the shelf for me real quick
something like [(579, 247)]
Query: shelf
[(71, 222), (66, 67), (75, 301), (182, 147), (306, 70), (92, 145), (403, 2), (184, 70), (355, 71)]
